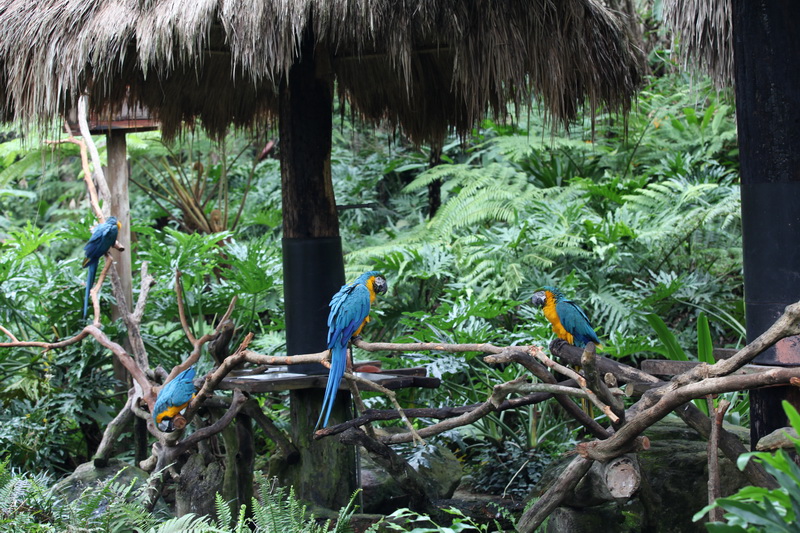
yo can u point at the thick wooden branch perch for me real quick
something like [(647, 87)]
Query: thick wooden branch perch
[(673, 396), (729, 443), (424, 347), (213, 379), (290, 453), (561, 369), (101, 339), (566, 482), (522, 356), (589, 365), (238, 401), (374, 415)]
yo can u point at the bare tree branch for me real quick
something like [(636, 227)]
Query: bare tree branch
[(95, 292), (87, 172), (566, 483), (9, 334), (132, 325), (147, 283), (113, 430), (425, 347), (714, 490), (392, 398), (589, 366), (289, 451), (561, 369), (102, 185), (237, 403), (181, 312), (213, 378), (522, 356)]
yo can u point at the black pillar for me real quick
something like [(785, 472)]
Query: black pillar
[(767, 57), (313, 268)]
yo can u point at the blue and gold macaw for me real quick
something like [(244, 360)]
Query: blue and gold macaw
[(569, 321), (103, 237), (173, 397), (349, 313)]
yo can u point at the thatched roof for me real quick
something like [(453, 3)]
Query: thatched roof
[(704, 31), (422, 64)]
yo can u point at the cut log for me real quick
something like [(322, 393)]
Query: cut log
[(614, 481)]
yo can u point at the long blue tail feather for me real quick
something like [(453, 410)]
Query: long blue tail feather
[(90, 273), (338, 363)]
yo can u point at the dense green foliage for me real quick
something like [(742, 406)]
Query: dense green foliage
[(631, 219), (30, 503)]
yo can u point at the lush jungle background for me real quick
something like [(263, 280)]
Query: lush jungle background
[(636, 218)]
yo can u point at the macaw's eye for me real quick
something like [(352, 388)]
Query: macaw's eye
[(538, 299), (379, 285)]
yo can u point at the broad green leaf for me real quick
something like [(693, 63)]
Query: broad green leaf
[(667, 338), (705, 350)]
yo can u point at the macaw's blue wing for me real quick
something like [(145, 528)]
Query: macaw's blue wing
[(576, 323), (103, 237), (174, 395), (349, 308)]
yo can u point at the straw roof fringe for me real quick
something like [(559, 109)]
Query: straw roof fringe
[(423, 64), (704, 30)]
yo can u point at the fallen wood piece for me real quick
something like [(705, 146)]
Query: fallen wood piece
[(616, 480), (662, 367), (780, 438)]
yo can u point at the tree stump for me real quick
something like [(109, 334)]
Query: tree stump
[(197, 487)]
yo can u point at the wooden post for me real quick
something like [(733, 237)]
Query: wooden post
[(313, 266), (767, 58), (117, 177)]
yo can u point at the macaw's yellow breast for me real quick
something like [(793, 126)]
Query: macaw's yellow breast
[(551, 315), (371, 286), (170, 412), (364, 323)]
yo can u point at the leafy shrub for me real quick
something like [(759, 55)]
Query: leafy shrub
[(760, 509)]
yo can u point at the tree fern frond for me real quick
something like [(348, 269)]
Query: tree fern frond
[(224, 515), (188, 523)]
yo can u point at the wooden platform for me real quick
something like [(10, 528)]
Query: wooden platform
[(280, 378)]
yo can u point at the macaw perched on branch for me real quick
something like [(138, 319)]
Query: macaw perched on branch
[(569, 321), (349, 313), (103, 237), (173, 397)]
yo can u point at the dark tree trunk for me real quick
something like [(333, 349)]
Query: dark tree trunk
[(312, 265), (767, 57), (435, 187)]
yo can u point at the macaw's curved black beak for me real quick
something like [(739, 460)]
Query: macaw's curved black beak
[(379, 285), (166, 425), (538, 299)]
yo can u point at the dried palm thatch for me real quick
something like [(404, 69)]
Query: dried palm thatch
[(704, 29), (423, 64)]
